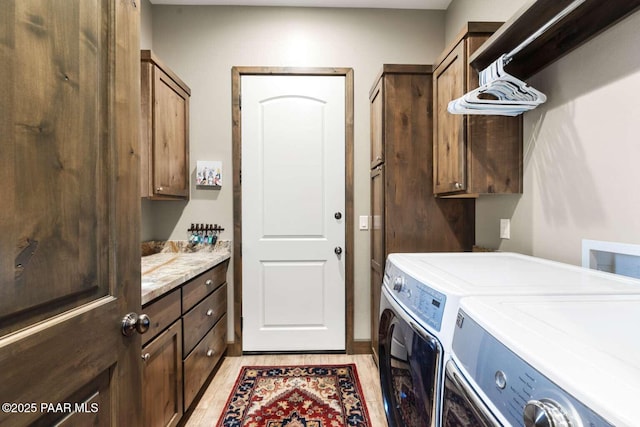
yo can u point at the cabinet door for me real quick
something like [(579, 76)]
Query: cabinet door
[(377, 138), (162, 378), (377, 224), (377, 250), (170, 137), (494, 144), (449, 140)]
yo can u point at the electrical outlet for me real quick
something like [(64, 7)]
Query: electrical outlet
[(505, 228)]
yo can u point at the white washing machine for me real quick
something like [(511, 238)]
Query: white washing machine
[(559, 360), (419, 305)]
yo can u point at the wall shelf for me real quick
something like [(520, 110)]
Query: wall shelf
[(588, 20)]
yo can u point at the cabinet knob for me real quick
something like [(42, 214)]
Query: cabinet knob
[(146, 356), (210, 353), (209, 282), (159, 189), (210, 312), (457, 185)]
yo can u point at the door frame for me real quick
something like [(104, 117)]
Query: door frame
[(235, 349)]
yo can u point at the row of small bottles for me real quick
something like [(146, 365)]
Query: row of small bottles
[(204, 233)]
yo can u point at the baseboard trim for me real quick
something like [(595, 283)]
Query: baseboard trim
[(362, 347), (358, 347)]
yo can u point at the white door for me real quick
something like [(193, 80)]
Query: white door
[(293, 202)]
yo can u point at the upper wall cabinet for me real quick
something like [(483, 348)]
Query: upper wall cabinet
[(474, 154), (165, 131)]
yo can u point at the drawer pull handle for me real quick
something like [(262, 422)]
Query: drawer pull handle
[(146, 356), (210, 312), (209, 282), (210, 353)]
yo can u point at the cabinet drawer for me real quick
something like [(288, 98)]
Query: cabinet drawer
[(199, 364), (203, 316), (201, 286), (162, 312)]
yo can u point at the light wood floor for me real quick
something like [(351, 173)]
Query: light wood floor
[(211, 405)]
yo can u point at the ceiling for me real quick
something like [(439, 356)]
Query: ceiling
[(374, 4)]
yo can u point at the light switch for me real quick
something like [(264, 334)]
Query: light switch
[(505, 228), (364, 222)]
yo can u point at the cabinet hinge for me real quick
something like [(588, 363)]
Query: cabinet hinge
[(240, 102), (241, 324)]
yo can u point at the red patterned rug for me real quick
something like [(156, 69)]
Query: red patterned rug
[(296, 396)]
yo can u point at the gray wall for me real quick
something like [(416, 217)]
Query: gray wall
[(202, 43), (581, 151), (462, 11), (146, 25)]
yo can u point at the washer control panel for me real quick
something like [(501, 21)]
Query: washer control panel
[(424, 303), (520, 393)]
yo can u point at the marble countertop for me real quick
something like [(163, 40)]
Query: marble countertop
[(162, 272)]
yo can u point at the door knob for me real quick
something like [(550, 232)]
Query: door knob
[(338, 250), (338, 215), (133, 322)]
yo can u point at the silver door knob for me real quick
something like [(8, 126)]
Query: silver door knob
[(338, 250), (338, 215), (133, 322)]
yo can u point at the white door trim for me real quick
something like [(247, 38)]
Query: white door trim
[(236, 73)]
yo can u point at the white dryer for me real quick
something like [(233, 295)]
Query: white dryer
[(560, 360)]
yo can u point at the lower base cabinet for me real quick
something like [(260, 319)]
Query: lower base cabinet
[(186, 340), (162, 378)]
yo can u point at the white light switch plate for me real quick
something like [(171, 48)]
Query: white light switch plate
[(364, 222), (505, 228)]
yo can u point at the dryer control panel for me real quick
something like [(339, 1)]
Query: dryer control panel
[(421, 301)]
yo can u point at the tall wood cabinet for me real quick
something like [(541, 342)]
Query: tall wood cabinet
[(165, 131), (406, 215), (473, 154)]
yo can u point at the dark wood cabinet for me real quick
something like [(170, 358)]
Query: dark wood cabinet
[(406, 217), (162, 378), (165, 131), (185, 341), (473, 154)]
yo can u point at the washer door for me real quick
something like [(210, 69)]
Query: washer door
[(409, 366)]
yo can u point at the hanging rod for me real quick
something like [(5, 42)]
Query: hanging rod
[(567, 10)]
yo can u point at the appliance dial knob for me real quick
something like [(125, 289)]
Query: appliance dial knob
[(545, 413), (398, 283)]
